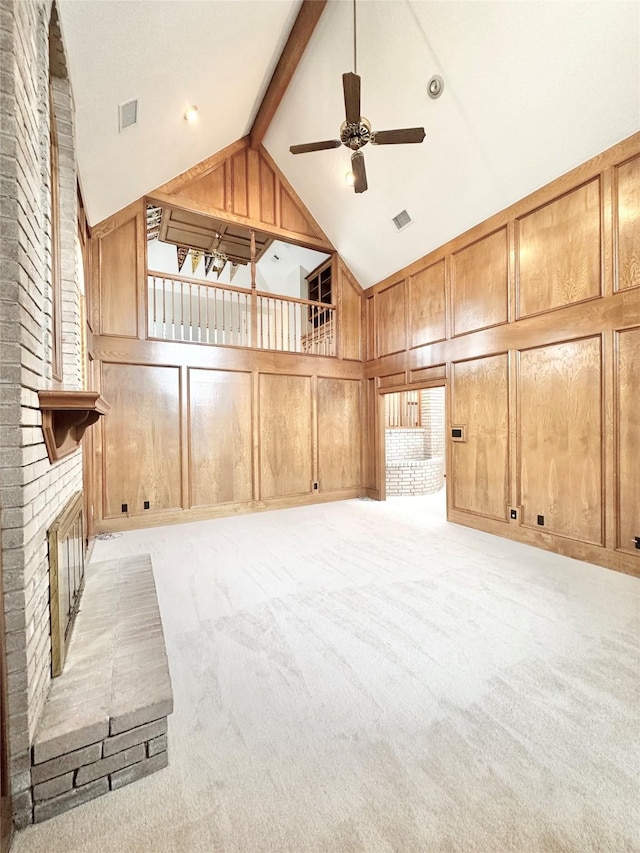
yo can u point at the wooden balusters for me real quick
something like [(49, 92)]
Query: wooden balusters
[(192, 310)]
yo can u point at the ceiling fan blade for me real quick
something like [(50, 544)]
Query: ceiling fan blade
[(315, 146), (398, 137), (351, 86), (359, 172)]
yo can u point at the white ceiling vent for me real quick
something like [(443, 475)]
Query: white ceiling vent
[(127, 114), (402, 220)]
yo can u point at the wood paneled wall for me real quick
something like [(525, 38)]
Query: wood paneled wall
[(220, 436), (198, 431), (245, 186), (532, 319), (141, 442), (480, 463), (197, 441)]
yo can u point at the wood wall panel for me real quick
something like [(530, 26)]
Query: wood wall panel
[(560, 438), (372, 435), (392, 379), (118, 272), (558, 251), (291, 217), (429, 374), (628, 445), (480, 465), (267, 193), (628, 224), (211, 189), (250, 189), (339, 434), (427, 304), (350, 314), (480, 284), (220, 437), (391, 314), (371, 326), (141, 439), (285, 435), (240, 204)]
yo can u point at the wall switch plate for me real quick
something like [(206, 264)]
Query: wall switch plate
[(315, 487), (541, 520), (513, 513), (146, 504), (125, 507)]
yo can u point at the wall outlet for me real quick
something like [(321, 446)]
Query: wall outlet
[(316, 487), (637, 541), (125, 507), (541, 520), (146, 504), (513, 514)]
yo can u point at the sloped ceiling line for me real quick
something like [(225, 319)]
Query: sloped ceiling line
[(301, 32)]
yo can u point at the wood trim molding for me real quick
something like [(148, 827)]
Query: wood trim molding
[(301, 32), (65, 418), (203, 168), (294, 195)]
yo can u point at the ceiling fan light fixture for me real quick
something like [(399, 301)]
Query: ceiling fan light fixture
[(191, 113)]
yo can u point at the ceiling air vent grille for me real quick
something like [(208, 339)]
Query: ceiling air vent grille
[(402, 220), (127, 114)]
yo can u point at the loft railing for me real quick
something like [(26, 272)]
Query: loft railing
[(295, 325), (186, 309), (196, 311)]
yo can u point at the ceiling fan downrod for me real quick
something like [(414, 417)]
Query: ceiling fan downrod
[(355, 48)]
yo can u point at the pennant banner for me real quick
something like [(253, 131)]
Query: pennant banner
[(183, 251), (208, 263), (196, 257), (233, 271)]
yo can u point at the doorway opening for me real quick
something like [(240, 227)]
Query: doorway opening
[(414, 431)]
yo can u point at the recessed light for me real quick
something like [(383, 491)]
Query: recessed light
[(435, 86), (350, 178), (192, 113)]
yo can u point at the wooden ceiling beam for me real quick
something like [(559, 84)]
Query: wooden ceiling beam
[(301, 32)]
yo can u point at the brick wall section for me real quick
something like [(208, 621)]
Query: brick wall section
[(415, 457), (433, 418), (32, 491), (415, 477), (404, 444)]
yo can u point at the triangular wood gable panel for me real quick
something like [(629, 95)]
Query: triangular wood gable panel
[(245, 186)]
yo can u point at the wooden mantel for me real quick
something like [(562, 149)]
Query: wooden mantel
[(65, 417)]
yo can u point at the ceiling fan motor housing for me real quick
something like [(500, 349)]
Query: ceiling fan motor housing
[(355, 135)]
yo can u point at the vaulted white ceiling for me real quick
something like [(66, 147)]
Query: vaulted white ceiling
[(169, 54), (532, 89)]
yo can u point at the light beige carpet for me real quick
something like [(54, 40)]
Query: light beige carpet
[(366, 677)]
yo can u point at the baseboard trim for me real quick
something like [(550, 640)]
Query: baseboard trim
[(183, 516), (596, 554)]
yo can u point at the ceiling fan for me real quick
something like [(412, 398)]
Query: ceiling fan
[(355, 131)]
